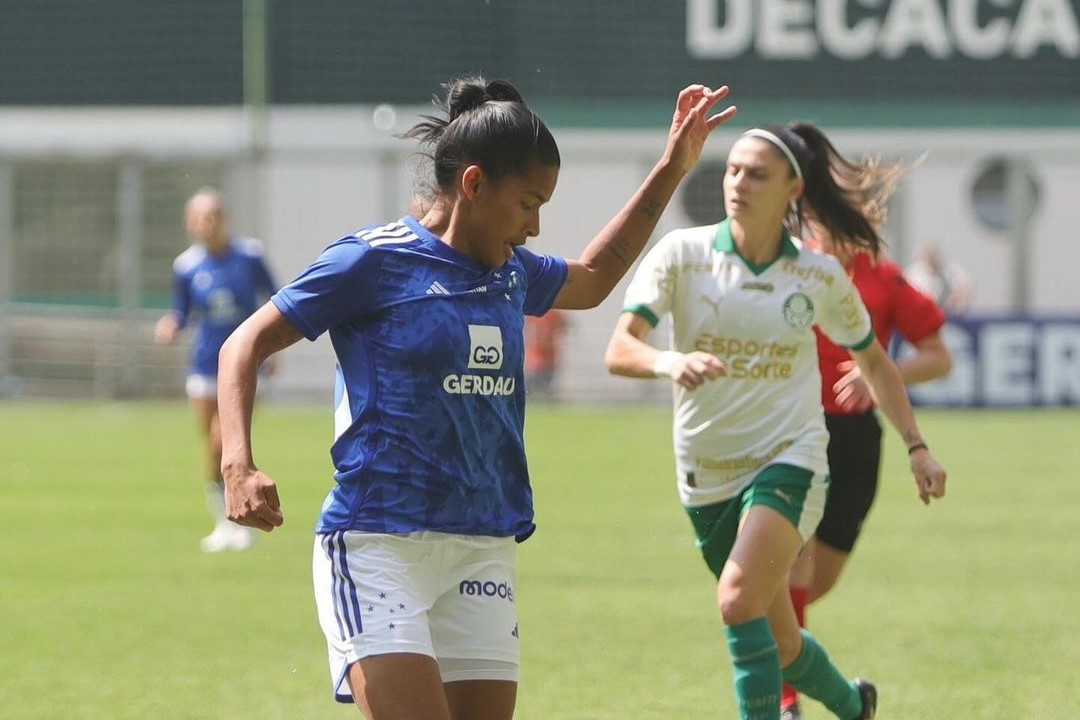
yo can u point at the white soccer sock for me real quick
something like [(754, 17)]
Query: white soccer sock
[(215, 501)]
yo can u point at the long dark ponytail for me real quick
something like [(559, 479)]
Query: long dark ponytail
[(848, 198)]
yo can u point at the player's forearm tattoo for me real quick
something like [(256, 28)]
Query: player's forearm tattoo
[(622, 253), (651, 208)]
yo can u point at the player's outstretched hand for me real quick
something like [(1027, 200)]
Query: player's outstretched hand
[(929, 475), (693, 121), (251, 499)]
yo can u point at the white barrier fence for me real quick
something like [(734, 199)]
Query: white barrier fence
[(90, 219)]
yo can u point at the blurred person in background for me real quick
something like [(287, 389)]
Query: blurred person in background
[(543, 353), (947, 283), (750, 435), (414, 554), (217, 283), (854, 450)]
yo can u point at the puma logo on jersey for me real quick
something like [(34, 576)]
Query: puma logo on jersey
[(714, 304)]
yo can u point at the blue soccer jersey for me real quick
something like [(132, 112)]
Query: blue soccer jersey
[(430, 401), (218, 292)]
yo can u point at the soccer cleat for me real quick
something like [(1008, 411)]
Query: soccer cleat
[(791, 712), (227, 536), (241, 537), (868, 695), (219, 540)]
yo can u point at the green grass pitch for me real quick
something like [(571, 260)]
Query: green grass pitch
[(966, 609)]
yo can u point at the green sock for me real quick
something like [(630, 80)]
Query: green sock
[(756, 661), (814, 675)]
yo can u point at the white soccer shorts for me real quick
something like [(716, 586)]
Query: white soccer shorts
[(201, 387), (450, 597)]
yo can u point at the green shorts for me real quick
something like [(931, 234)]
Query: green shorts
[(796, 493)]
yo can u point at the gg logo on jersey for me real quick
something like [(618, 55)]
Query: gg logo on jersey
[(485, 347), (798, 311), (485, 357)]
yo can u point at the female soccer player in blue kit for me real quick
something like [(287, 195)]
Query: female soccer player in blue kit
[(217, 283), (414, 558)]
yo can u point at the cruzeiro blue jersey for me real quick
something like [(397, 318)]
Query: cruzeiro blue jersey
[(218, 292), (430, 401)]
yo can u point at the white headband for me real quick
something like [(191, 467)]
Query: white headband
[(775, 140)]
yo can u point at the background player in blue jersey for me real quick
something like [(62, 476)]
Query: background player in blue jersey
[(414, 565), (744, 298), (217, 283)]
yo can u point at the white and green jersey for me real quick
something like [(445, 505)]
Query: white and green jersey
[(758, 319)]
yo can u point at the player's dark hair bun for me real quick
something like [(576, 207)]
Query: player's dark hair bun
[(502, 90), (465, 94), (486, 124)]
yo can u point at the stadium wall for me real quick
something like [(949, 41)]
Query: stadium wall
[(326, 170)]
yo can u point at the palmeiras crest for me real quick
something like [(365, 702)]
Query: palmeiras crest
[(799, 311)]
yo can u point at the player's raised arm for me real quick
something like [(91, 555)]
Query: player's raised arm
[(593, 276)]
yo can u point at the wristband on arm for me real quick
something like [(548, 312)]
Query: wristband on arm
[(664, 362)]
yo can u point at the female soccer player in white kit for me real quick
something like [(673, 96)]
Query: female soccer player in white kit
[(750, 439)]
